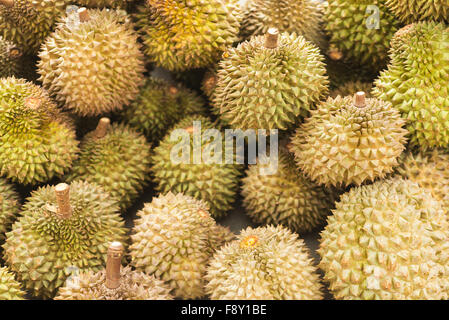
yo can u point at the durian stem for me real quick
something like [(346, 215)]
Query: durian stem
[(272, 38), (335, 54), (102, 127), (113, 264), (83, 14), (7, 3), (173, 90), (62, 191), (360, 99), (14, 52)]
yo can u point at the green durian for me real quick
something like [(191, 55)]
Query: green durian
[(173, 239), (9, 59), (9, 208), (180, 35), (115, 157), (38, 141), (10, 289), (350, 88), (60, 233), (349, 141), (269, 81), (409, 11), (416, 82), (266, 263), (386, 241), (92, 66)]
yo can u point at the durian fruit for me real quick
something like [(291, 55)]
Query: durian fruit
[(361, 30), (10, 289), (37, 141), (180, 35), (115, 157), (61, 233), (9, 207), (409, 11), (173, 239), (278, 193), (386, 241), (94, 65), (159, 106), (114, 282), (349, 141), (104, 3), (348, 88), (9, 59), (416, 82), (266, 263), (190, 163), (303, 17), (269, 81)]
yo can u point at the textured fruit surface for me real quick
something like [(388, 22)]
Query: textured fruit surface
[(351, 88), (9, 207), (10, 289), (267, 263), (104, 3), (43, 248), (181, 167), (409, 11), (180, 35), (416, 82), (265, 88), (9, 58), (173, 239), (134, 285), (386, 241), (37, 142), (92, 67), (343, 144)]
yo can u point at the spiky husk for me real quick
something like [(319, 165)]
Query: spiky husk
[(262, 88), (134, 285), (44, 249), (9, 59), (180, 35), (342, 144), (10, 288), (37, 141), (267, 263), (119, 162), (9, 207), (409, 11), (104, 3), (173, 238), (386, 241), (215, 183), (351, 88), (92, 67), (416, 82)]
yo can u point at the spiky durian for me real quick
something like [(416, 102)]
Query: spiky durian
[(173, 238), (59, 234), (350, 88), (114, 283), (268, 82), (348, 142), (409, 11), (37, 141), (115, 157), (361, 30), (9, 58), (104, 3), (267, 263), (186, 162), (159, 106), (386, 241), (416, 82), (9, 207), (10, 289), (92, 66), (180, 35)]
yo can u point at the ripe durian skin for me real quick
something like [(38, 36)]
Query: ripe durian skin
[(416, 82), (43, 248), (352, 87), (266, 263), (134, 285), (180, 35), (409, 11), (104, 3), (10, 288), (173, 239), (386, 241), (9, 207), (9, 59), (343, 144), (215, 183), (92, 67), (285, 197), (38, 142), (269, 88)]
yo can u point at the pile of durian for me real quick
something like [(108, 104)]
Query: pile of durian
[(93, 91)]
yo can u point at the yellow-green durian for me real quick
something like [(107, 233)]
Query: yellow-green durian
[(409, 11), (9, 207), (10, 288)]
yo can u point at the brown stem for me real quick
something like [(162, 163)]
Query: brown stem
[(62, 191), (14, 52), (102, 127), (7, 3), (83, 14), (173, 90), (360, 99), (113, 264), (272, 38)]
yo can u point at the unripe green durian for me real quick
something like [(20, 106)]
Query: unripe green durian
[(266, 263), (9, 207), (269, 81), (10, 288), (416, 82), (180, 35), (349, 141), (409, 11), (60, 234), (9, 59), (115, 157), (349, 88), (38, 142), (94, 65), (388, 241), (173, 239)]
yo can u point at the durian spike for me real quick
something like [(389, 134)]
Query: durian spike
[(360, 99), (14, 52), (272, 38), (83, 14), (113, 264), (7, 3), (62, 191), (102, 127)]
